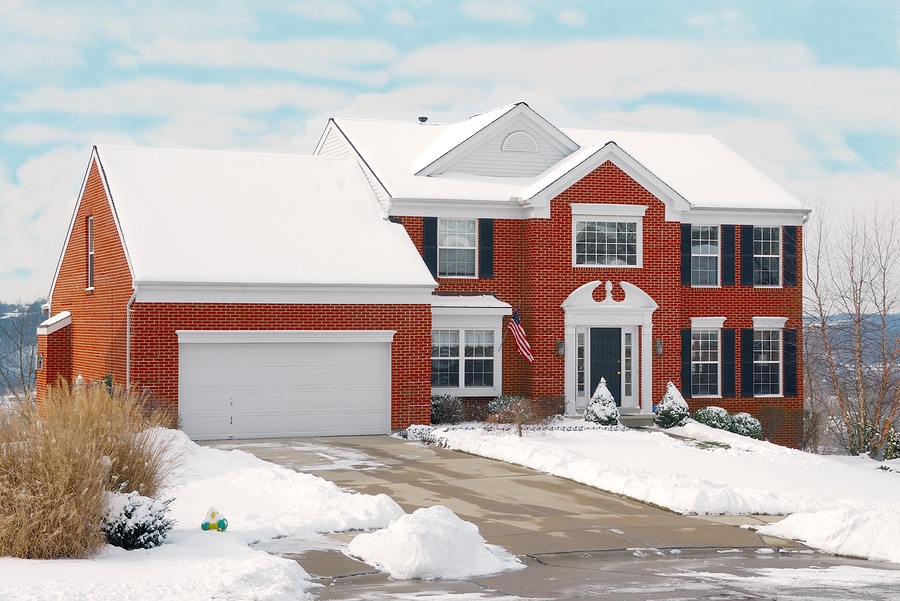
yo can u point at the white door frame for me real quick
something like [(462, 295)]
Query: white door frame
[(634, 312)]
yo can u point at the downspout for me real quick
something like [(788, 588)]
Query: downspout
[(128, 339)]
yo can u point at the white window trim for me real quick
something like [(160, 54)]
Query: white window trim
[(710, 323), (780, 256), (773, 323), (452, 313), (609, 212), (439, 247), (718, 256), (469, 391)]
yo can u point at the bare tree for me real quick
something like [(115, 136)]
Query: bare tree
[(852, 343), (18, 348)]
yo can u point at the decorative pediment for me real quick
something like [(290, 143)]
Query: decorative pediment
[(635, 301)]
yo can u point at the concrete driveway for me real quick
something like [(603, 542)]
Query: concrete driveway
[(573, 538)]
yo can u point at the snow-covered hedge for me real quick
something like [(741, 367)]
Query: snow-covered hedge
[(136, 522), (602, 407), (446, 409), (672, 410), (892, 448), (746, 425), (714, 417)]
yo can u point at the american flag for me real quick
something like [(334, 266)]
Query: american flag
[(515, 326)]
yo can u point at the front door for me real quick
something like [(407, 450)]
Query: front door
[(606, 360)]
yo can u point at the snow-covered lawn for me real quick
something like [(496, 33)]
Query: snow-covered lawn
[(262, 502), (845, 505)]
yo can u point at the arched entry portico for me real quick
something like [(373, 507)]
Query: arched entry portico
[(606, 337)]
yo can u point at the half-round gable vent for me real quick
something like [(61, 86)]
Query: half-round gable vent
[(520, 141)]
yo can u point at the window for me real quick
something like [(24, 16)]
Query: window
[(608, 243), (766, 256), (471, 368), (704, 255), (766, 362), (579, 364), (628, 364), (704, 362), (457, 247), (90, 251)]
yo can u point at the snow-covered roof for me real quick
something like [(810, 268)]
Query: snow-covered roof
[(469, 301), (697, 169), (206, 217)]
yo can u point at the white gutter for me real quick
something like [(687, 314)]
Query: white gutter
[(128, 339)]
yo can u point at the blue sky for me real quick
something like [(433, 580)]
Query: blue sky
[(806, 90)]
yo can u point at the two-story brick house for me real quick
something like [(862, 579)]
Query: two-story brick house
[(264, 295), (637, 257)]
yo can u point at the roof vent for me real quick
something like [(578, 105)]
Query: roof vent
[(520, 141), (423, 119)]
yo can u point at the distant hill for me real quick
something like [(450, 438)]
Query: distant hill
[(15, 318)]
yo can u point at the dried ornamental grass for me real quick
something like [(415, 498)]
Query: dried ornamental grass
[(56, 463)]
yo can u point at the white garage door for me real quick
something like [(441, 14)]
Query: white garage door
[(269, 384)]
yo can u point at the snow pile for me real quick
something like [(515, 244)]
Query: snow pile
[(844, 501), (262, 501), (432, 543)]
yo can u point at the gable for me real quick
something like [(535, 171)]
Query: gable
[(516, 151), (335, 144)]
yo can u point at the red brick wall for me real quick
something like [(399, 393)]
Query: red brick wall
[(98, 315), (533, 271), (56, 348), (154, 344)]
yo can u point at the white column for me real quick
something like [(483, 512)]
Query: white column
[(647, 366), (571, 361)]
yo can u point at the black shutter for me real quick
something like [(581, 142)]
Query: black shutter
[(686, 362), (728, 363), (486, 248), (685, 254), (747, 362), (728, 255), (789, 248), (790, 363), (395, 219), (429, 243), (746, 255)]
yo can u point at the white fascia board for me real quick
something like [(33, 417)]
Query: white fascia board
[(282, 336), (675, 203), (167, 292), (762, 217), (57, 322), (458, 208)]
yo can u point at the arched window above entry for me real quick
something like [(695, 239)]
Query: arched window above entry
[(520, 141)]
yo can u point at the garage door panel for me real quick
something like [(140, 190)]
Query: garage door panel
[(263, 389)]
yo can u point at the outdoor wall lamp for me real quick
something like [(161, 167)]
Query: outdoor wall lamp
[(560, 348), (657, 346)]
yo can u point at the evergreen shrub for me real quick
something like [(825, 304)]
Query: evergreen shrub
[(714, 417), (446, 409), (672, 410), (135, 522), (602, 408), (746, 425)]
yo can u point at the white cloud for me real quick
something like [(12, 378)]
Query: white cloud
[(336, 11), (572, 18), (496, 11), (727, 22), (401, 17), (35, 208)]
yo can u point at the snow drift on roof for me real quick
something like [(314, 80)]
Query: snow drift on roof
[(192, 216)]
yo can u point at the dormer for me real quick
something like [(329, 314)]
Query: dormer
[(512, 141)]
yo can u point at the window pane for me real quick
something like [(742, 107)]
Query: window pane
[(445, 371), (704, 255), (766, 256), (766, 362), (704, 362), (457, 246), (479, 362), (606, 243)]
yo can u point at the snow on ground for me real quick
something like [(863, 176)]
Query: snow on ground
[(842, 505), (261, 501), (432, 543)]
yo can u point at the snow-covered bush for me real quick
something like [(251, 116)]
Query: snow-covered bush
[(446, 409), (746, 425), (502, 402), (602, 407), (672, 410), (892, 447), (714, 417), (135, 522)]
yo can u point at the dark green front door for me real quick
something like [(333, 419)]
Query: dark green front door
[(606, 360)]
